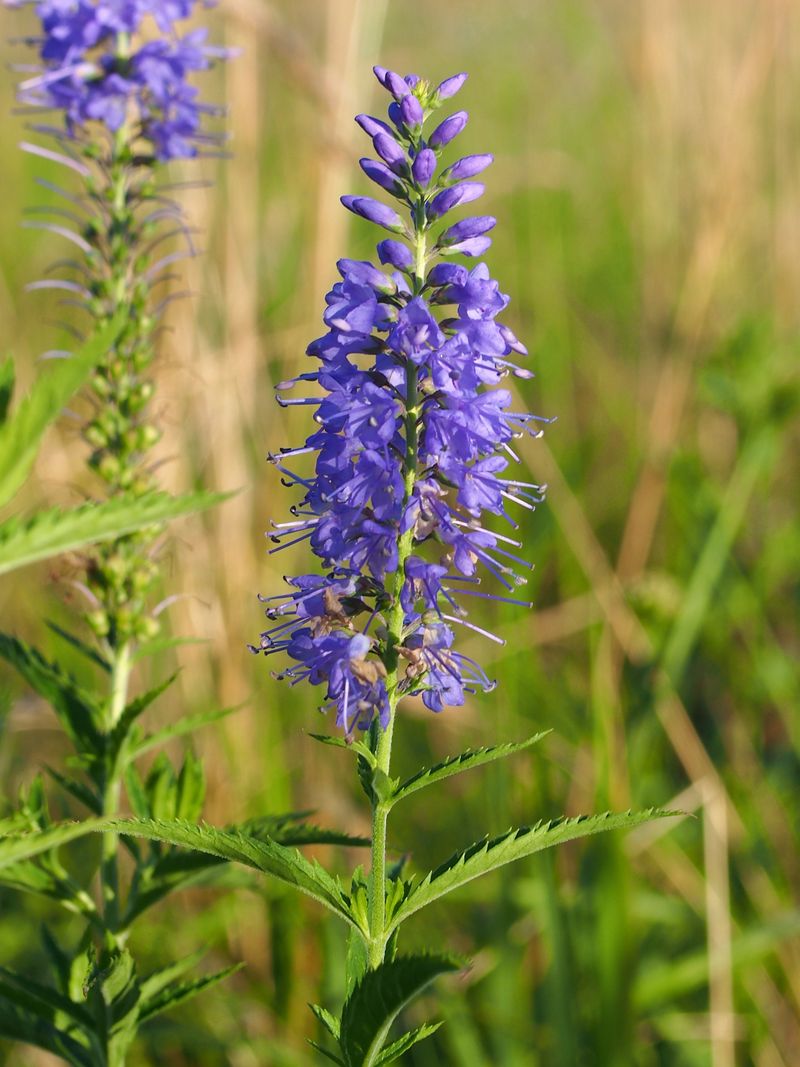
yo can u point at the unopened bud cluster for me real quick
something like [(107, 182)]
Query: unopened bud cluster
[(120, 75)]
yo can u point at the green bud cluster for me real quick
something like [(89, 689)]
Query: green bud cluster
[(120, 431)]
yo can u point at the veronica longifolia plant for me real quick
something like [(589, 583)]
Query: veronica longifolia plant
[(115, 78), (414, 463)]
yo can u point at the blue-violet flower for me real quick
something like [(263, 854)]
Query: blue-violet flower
[(100, 62), (412, 443)]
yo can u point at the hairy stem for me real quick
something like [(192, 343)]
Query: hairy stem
[(383, 748)]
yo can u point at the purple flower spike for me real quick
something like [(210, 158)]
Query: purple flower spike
[(447, 130), (423, 167), (472, 227), (467, 167), (381, 175), (82, 74), (390, 152), (395, 254), (406, 477), (450, 198), (374, 211), (411, 112), (450, 86)]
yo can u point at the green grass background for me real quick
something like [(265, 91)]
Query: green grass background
[(646, 187)]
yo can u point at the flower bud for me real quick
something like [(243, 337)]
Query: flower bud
[(395, 254), (363, 273), (374, 211), (450, 86), (381, 175), (390, 152), (423, 167), (472, 246), (396, 85), (466, 229), (371, 125), (447, 274), (411, 112), (467, 167), (447, 130), (450, 198)]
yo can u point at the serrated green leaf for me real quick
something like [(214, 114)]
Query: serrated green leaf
[(78, 712), (357, 747), (51, 532), (24, 846), (47, 880), (159, 980), (328, 1055), (191, 789), (378, 999), (329, 1021), (489, 854), (82, 647), (466, 761), (116, 985), (23, 1026), (303, 834), (23, 991), (356, 961), (186, 725), (403, 1044), (134, 709), (21, 433), (262, 855), (79, 790), (180, 992), (179, 869)]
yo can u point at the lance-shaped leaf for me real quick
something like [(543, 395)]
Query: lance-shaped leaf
[(114, 988), (178, 992), (85, 649), (187, 724), (78, 711), (378, 999), (51, 532), (267, 856), (21, 433), (33, 996), (24, 846), (463, 762), (490, 853), (31, 1029), (357, 747), (403, 1044), (131, 713), (49, 880), (178, 869)]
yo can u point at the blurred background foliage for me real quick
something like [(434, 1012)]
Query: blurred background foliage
[(646, 185)]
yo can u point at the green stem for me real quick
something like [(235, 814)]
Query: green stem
[(109, 872), (376, 948)]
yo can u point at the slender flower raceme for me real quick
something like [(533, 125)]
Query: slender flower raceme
[(414, 442), (116, 80)]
